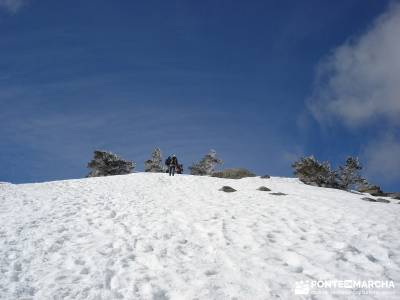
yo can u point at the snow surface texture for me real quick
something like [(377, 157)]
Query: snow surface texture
[(150, 236)]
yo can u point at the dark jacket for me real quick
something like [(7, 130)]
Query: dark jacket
[(174, 161)]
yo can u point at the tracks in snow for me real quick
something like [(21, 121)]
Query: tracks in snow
[(154, 237)]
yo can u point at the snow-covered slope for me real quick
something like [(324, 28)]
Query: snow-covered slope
[(150, 236)]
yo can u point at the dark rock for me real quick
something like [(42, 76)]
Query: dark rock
[(382, 194), (355, 192), (375, 200), (263, 189), (236, 173), (373, 190), (265, 177), (368, 199), (227, 189), (279, 194), (394, 195), (382, 200)]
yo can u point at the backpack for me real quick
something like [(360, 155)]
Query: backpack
[(168, 161)]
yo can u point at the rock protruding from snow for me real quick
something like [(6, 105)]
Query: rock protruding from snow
[(227, 189), (264, 189), (394, 195), (373, 190), (375, 200), (382, 200)]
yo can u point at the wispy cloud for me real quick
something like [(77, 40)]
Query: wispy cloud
[(359, 83), (12, 6), (358, 86)]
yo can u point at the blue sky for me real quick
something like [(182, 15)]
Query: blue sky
[(261, 82)]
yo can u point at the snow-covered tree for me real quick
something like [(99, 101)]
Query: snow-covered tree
[(349, 174), (311, 171), (106, 163), (155, 163), (206, 166)]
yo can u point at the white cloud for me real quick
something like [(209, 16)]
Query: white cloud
[(383, 158), (12, 6), (359, 83)]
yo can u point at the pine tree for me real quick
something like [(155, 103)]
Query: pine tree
[(206, 166), (155, 163), (349, 174), (311, 171), (106, 163)]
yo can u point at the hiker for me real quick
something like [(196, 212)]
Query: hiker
[(172, 165), (168, 163)]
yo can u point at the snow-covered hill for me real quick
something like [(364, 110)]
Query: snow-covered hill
[(150, 236)]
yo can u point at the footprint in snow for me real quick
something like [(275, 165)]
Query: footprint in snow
[(148, 248), (14, 277), (298, 269), (371, 258), (109, 274), (79, 262), (271, 238), (17, 267), (166, 236), (211, 273), (61, 229), (293, 261), (160, 295)]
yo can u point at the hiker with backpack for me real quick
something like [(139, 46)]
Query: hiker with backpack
[(172, 163)]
